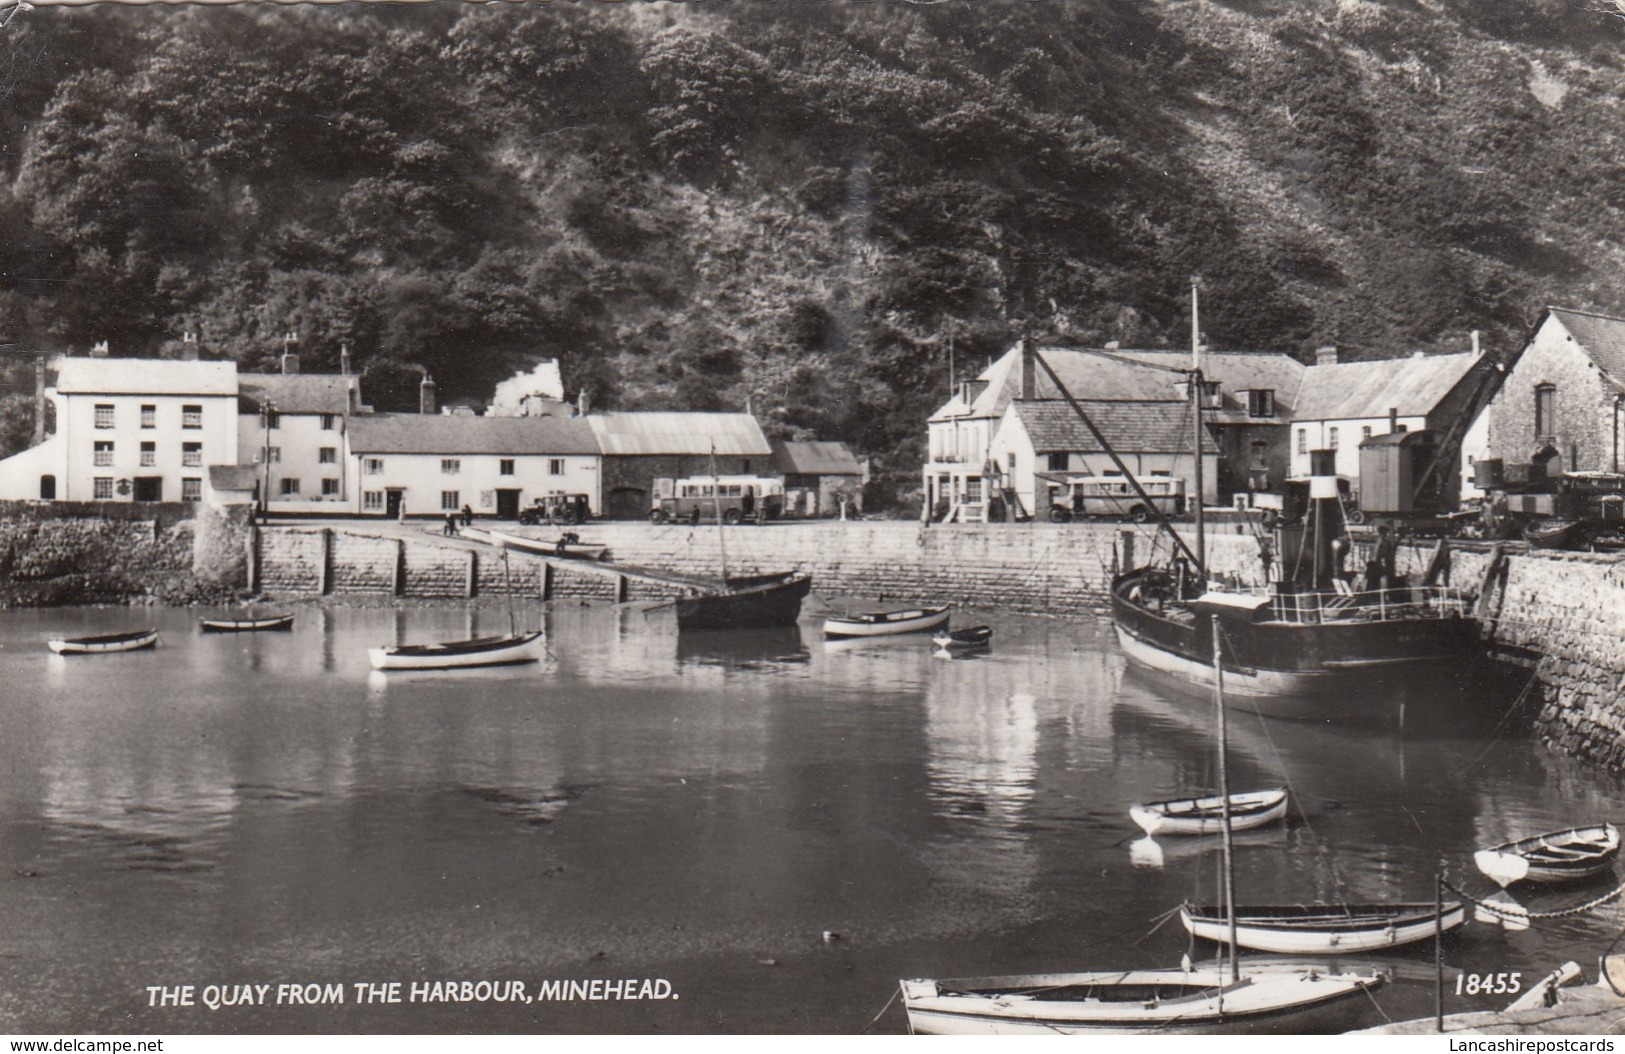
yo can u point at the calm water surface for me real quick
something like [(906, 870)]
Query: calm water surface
[(263, 809)]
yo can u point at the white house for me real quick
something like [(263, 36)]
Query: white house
[(293, 427), (130, 430), (432, 464)]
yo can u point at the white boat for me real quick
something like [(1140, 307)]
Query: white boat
[(1559, 856), (1205, 815), (886, 623), (1324, 929), (109, 642), (507, 650), (569, 546), (1152, 1001), (1135, 1001)]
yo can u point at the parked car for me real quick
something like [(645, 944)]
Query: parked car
[(557, 508)]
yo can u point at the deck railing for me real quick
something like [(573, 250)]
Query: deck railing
[(1398, 602)]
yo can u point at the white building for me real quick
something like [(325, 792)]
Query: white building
[(130, 430), (293, 427), (431, 464)]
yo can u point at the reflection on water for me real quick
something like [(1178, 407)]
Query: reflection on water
[(644, 803)]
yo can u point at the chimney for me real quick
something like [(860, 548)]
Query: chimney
[(1393, 419), (1326, 356), (583, 403), (1476, 351), (290, 357), (344, 360), (98, 350), (426, 395), (189, 347), (1029, 369)]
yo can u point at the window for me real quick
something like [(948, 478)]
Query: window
[(1331, 438), (191, 454), (1303, 440), (273, 419), (555, 466), (104, 452), (290, 486), (327, 422), (1057, 462), (273, 455), (191, 416), (505, 466), (104, 415), (149, 454), (449, 501), (328, 455), (1010, 460), (191, 488), (450, 466), (330, 488), (373, 466), (149, 415), (102, 488), (372, 501), (973, 490), (1211, 399), (1261, 402), (1545, 411)]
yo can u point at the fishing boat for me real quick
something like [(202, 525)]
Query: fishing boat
[(569, 546), (1324, 929), (1185, 999), (1559, 856), (1248, 810), (507, 650), (747, 602), (246, 625), (964, 639), (104, 644), (886, 623)]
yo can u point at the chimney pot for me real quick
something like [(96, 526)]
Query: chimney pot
[(189, 347), (1326, 356), (99, 349), (426, 395)]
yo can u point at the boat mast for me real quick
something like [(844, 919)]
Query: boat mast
[(1224, 795), (1196, 416), (716, 500)]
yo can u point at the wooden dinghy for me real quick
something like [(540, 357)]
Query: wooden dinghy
[(1324, 929), (885, 623), (1559, 856), (461, 654), (1198, 1000), (569, 546), (964, 639), (104, 644), (1205, 815), (246, 625)]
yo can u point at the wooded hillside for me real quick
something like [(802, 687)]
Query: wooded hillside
[(797, 207)]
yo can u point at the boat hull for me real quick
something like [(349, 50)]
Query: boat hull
[(1548, 859), (560, 548), (1125, 1003), (886, 624), (964, 639), (763, 600), (104, 645), (460, 655), (1326, 929), (253, 625), (1198, 816)]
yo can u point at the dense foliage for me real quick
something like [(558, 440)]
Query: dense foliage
[(801, 208)]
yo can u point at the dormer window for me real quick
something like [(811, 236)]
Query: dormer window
[(1261, 402), (1212, 398)]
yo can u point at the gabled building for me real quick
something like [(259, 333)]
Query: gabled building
[(821, 478), (292, 425), (1562, 402), (639, 447), (130, 430), (431, 464)]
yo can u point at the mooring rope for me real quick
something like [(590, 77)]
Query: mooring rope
[(1501, 912)]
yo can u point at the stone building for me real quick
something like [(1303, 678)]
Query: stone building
[(640, 447), (821, 478)]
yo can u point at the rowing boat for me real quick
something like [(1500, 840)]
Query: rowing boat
[(1324, 929), (1205, 815), (567, 547), (1559, 856), (246, 625), (959, 639), (460, 654), (885, 623), (104, 644)]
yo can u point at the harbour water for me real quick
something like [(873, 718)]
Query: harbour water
[(778, 827)]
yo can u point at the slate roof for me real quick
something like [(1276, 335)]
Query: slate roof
[(1602, 337), (1351, 390), (295, 393), (1130, 427), (77, 375), (443, 434), (816, 458), (658, 432)]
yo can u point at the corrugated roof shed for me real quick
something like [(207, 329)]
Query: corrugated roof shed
[(296, 393), (816, 458), (1351, 390), (1130, 427), (1602, 337), (439, 434), (657, 432), (87, 376)]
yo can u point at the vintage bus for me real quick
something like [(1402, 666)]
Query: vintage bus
[(1114, 496), (700, 498)]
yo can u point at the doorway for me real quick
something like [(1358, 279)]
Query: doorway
[(507, 504), (394, 497), (149, 488)]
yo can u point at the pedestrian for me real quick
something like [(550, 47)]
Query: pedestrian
[(451, 525), (468, 516), (1387, 554), (1266, 556), (1340, 556)]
